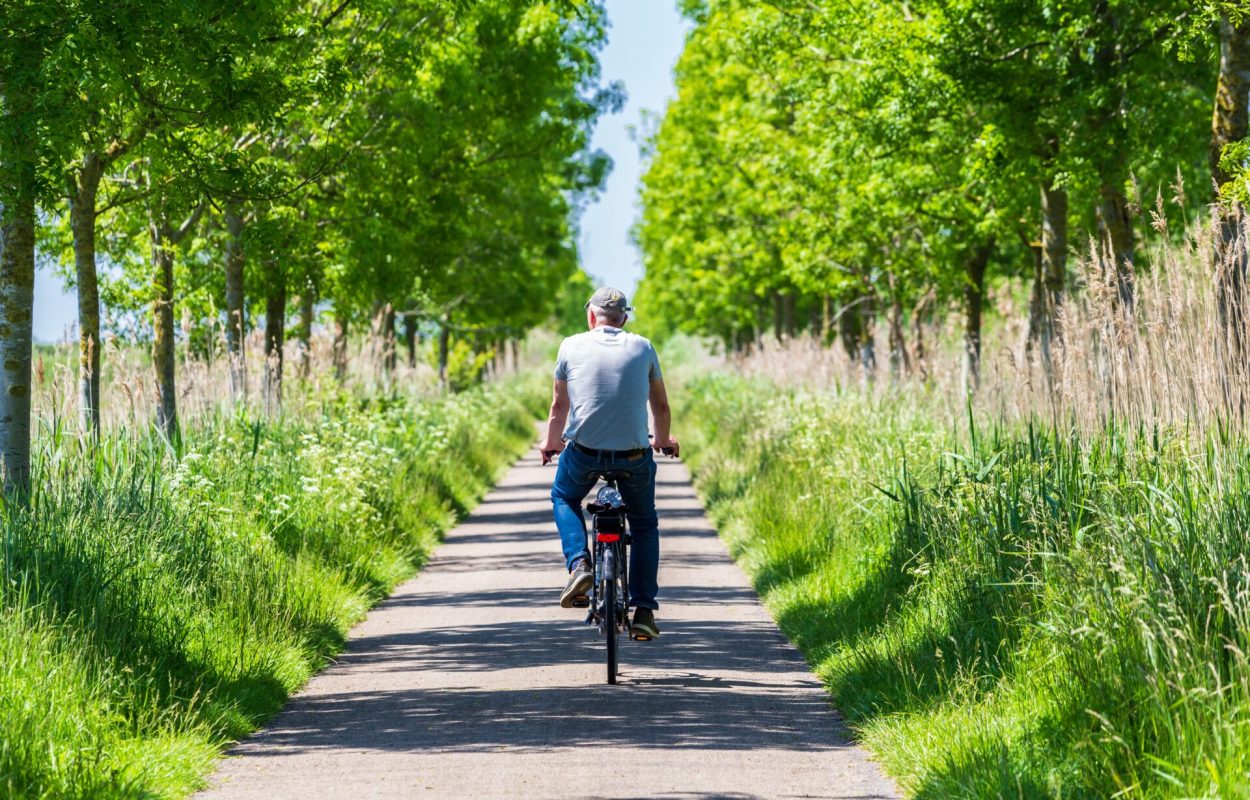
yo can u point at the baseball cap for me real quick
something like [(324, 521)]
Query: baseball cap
[(609, 299)]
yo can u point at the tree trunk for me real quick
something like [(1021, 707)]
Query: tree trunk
[(82, 212), (868, 342), (787, 314), (444, 347), (163, 326), (339, 355), (899, 361), (779, 321), (17, 296), (275, 335), (1231, 121), (1051, 271), (306, 302), (1109, 136), (234, 304), (1115, 227), (920, 354), (848, 320), (974, 299), (390, 347), (410, 339)]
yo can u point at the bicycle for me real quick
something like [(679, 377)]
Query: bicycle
[(609, 594)]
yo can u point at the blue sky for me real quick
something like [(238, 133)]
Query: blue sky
[(644, 42)]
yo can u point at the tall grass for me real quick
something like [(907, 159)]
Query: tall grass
[(1172, 358), (155, 607), (1023, 614), (1041, 589)]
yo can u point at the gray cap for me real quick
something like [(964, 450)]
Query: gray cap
[(609, 299)]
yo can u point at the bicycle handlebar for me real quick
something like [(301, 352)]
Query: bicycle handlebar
[(549, 455)]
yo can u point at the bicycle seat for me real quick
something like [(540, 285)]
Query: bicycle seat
[(610, 476)]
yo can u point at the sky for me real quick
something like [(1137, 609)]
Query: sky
[(644, 41)]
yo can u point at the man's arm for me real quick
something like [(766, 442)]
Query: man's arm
[(556, 419), (663, 416)]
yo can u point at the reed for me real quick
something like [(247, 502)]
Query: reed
[(1040, 589)]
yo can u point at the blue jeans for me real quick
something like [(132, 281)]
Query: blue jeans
[(575, 479)]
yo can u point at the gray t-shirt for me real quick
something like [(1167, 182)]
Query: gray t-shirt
[(609, 373)]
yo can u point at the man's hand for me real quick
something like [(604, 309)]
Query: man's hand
[(550, 450), (668, 446)]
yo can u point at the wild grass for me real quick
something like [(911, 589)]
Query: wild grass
[(1041, 589), (1026, 614), (1172, 358), (156, 606)]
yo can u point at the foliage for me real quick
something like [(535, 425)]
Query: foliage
[(154, 610), (838, 157)]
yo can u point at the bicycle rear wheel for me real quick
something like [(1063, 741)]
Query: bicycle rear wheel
[(610, 622)]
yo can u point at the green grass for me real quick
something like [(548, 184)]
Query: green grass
[(1019, 613), (156, 608)]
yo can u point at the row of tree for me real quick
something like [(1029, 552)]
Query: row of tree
[(831, 163), (225, 160)]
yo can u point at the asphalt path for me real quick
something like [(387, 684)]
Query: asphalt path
[(472, 682)]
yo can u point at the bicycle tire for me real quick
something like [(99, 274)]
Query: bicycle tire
[(610, 622)]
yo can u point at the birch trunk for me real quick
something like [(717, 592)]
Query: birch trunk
[(17, 295), (234, 304), (82, 210)]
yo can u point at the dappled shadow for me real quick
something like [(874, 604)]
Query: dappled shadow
[(704, 685)]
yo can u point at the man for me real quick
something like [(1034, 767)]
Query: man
[(604, 381)]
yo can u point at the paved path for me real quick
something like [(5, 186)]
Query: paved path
[(471, 682)]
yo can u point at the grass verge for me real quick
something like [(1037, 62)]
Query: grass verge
[(156, 608), (1023, 614)]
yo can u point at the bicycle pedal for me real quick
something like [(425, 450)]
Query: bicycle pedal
[(581, 601)]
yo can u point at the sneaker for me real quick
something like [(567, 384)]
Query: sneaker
[(644, 628), (580, 578)]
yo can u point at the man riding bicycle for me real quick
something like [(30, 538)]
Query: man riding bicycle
[(605, 379)]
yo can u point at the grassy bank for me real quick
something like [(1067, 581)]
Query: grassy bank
[(155, 608), (1019, 613)]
